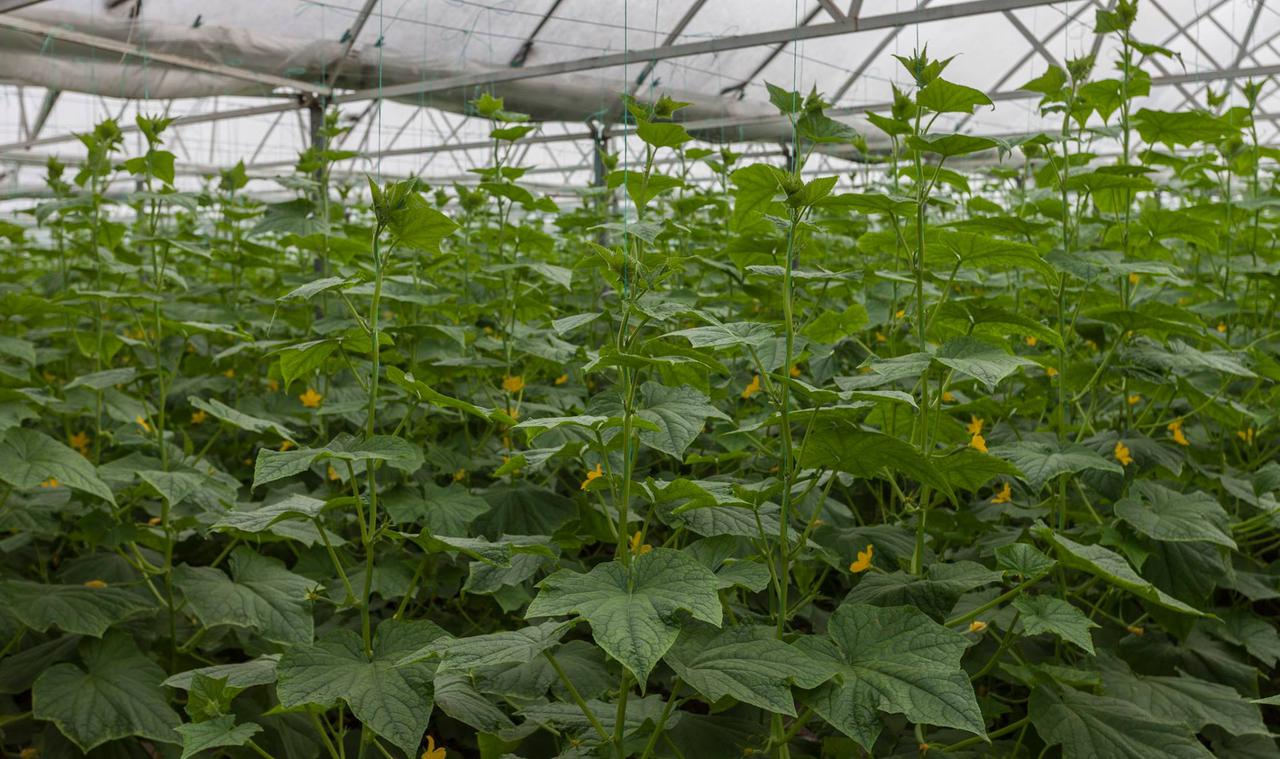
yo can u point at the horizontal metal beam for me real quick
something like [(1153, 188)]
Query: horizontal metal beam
[(702, 47), (13, 5), (17, 24)]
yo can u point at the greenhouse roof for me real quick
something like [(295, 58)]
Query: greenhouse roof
[(243, 77)]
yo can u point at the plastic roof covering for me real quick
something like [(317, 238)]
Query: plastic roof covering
[(423, 41)]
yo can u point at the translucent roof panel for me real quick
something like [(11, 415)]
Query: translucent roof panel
[(240, 75)]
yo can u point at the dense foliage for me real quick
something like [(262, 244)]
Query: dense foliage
[(948, 463)]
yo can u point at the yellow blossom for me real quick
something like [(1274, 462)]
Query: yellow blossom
[(1135, 630), (1093, 345), (752, 388), (460, 475), (229, 374), (273, 384), (1134, 399), (1122, 453), (80, 441), (513, 383), (333, 474), (863, 562), (1004, 494), (52, 482), (977, 626), (1246, 435), (1134, 279), (96, 584), (30, 752), (978, 443), (1222, 327), (311, 399), (563, 378), (199, 417), (433, 751), (948, 396), (488, 330), (880, 338), (795, 371), (975, 426), (153, 521), (286, 445), (142, 422), (1050, 372), (900, 313), (1175, 427), (1031, 341), (638, 547), (593, 475)]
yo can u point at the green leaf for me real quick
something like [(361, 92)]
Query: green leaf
[(239, 419), (717, 336), (867, 454), (950, 145), (1181, 128), (662, 134), (934, 594), (393, 701), (417, 225), (260, 671), (1165, 514), (31, 458), (78, 609), (755, 187), (115, 695), (679, 414), (632, 610), (396, 452), (502, 647), (1098, 727), (1046, 614), (219, 732), (261, 595), (968, 469), (894, 660), (294, 506), (1186, 700), (747, 663), (301, 360), (986, 362), (1111, 567), (1041, 462), (942, 96)]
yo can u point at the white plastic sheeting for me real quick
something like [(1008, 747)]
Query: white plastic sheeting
[(404, 42)]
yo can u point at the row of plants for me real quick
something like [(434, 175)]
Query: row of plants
[(925, 462)]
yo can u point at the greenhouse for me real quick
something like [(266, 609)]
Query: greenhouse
[(649, 379)]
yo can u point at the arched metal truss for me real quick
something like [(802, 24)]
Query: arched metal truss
[(241, 76)]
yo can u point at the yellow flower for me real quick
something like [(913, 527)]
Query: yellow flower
[(513, 384), (1222, 327), (752, 388), (900, 313), (333, 473), (488, 330), (1246, 435), (593, 475), (311, 399), (1093, 346), (975, 426), (880, 338), (977, 626), (1122, 453), (948, 396), (1135, 630), (514, 413), (433, 751), (199, 417), (795, 371), (286, 445), (30, 752), (1175, 427), (1031, 341), (153, 521), (142, 422), (1004, 494), (563, 378), (978, 443), (229, 374), (638, 547), (863, 562), (52, 482), (273, 384), (1134, 399), (460, 475), (80, 441), (1134, 278), (1050, 372), (96, 584)]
